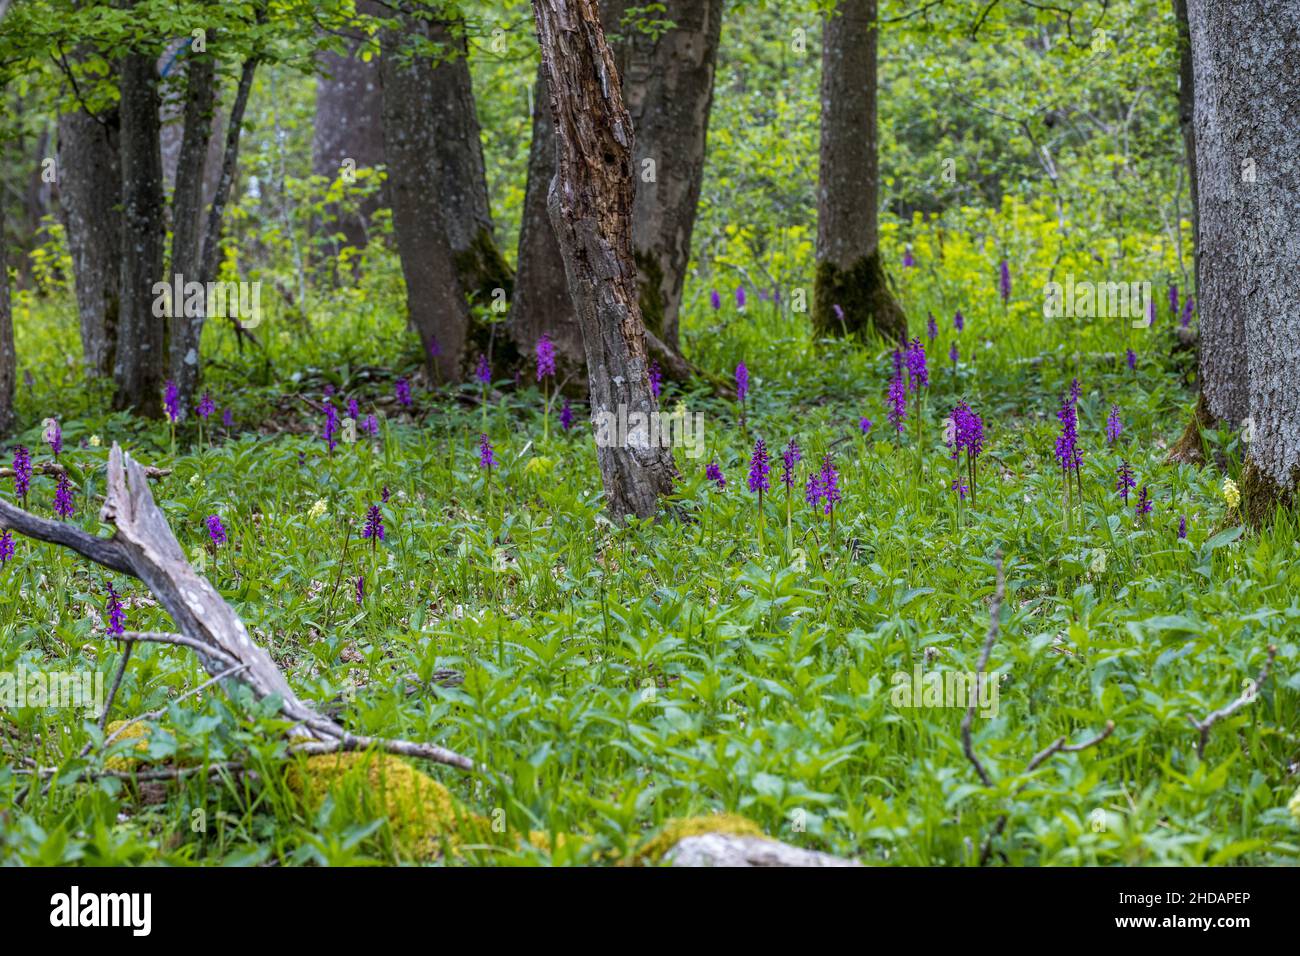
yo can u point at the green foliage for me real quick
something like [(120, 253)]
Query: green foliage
[(618, 678)]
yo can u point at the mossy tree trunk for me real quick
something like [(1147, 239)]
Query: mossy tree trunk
[(590, 203), (1246, 57), (435, 302), (541, 302), (668, 88), (852, 294)]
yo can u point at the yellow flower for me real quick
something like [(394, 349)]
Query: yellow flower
[(94, 441), (1231, 493), (316, 510)]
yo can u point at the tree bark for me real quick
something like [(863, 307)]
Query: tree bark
[(434, 300), (90, 195), (140, 359), (187, 206), (1247, 65), (349, 125), (850, 274), (541, 302), (461, 176), (8, 358), (590, 203), (668, 86), (1221, 196)]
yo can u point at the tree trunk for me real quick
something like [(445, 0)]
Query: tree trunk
[(852, 294), (187, 207), (349, 126), (186, 332), (140, 360), (590, 203), (8, 358), (461, 177), (1221, 194), (1187, 111), (1247, 72), (541, 301), (668, 85), (90, 191), (434, 301)]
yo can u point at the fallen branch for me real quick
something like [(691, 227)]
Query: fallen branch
[(1247, 696), (143, 546), (55, 470)]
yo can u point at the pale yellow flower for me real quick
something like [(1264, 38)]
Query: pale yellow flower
[(94, 441), (316, 510), (1231, 493)]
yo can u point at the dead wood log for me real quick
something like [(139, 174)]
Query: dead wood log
[(144, 547), (727, 849)]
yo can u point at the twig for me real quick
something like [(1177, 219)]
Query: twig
[(158, 773), (117, 683), (995, 614), (155, 714), (1248, 696)]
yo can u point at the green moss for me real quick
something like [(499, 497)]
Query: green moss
[(862, 292), (139, 732), (482, 269), (1261, 498), (652, 851)]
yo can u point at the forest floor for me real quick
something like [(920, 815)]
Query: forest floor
[(717, 661)]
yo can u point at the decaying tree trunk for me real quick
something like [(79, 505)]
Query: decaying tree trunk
[(8, 357), (144, 547), (668, 86), (349, 126), (434, 300), (730, 850), (1247, 64), (140, 359), (590, 203), (90, 191), (852, 294)]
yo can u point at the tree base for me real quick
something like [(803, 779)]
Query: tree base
[(1261, 498), (1189, 450), (866, 303)]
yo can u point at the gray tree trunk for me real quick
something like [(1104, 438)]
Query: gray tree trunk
[(590, 203), (434, 300), (349, 125), (461, 175), (850, 274), (668, 86), (8, 358), (1247, 61), (541, 301), (140, 360), (187, 206), (90, 195), (1221, 194)]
